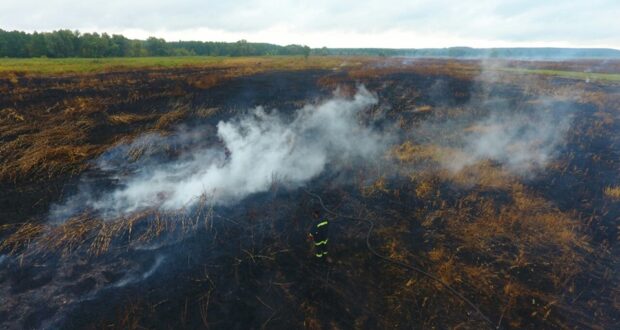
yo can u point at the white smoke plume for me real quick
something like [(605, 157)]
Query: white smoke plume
[(255, 149), (521, 142), (522, 137)]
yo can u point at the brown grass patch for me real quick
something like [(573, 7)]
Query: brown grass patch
[(172, 117), (95, 236), (127, 118), (10, 115), (612, 192)]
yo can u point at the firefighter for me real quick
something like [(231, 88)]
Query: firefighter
[(320, 235)]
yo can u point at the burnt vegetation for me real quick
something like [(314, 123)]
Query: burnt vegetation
[(532, 249)]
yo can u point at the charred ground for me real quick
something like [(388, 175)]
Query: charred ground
[(536, 249)]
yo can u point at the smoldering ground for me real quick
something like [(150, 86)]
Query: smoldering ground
[(521, 142), (522, 136), (250, 152), (246, 155), (254, 151)]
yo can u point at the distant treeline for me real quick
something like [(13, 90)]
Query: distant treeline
[(66, 43), (467, 52)]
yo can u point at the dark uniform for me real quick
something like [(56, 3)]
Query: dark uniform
[(320, 235)]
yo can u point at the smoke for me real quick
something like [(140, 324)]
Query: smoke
[(524, 135), (521, 142), (254, 150), (521, 127), (134, 279), (251, 152)]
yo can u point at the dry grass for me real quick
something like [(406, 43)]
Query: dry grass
[(94, 236), (172, 117), (206, 113), (516, 235), (408, 152), (426, 188), (127, 118), (44, 140), (513, 239), (21, 238), (377, 186), (61, 141), (612, 192), (430, 67), (46, 153), (483, 174), (10, 115), (478, 229), (14, 67), (420, 160), (423, 109)]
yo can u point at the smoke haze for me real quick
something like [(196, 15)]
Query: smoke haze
[(256, 149), (248, 153), (521, 142)]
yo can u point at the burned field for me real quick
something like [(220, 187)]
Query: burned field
[(161, 198)]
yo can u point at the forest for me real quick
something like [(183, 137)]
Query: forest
[(67, 43)]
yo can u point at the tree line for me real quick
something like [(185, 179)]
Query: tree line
[(66, 43)]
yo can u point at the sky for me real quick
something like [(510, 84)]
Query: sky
[(334, 23)]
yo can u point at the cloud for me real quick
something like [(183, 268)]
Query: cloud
[(388, 23)]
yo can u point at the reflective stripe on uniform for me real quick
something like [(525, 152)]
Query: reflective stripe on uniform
[(320, 255), (322, 224), (324, 242)]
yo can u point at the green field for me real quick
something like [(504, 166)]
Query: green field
[(46, 66), (84, 65), (92, 65)]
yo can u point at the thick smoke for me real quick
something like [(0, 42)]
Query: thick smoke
[(256, 149)]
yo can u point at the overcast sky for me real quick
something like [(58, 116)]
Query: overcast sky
[(334, 23)]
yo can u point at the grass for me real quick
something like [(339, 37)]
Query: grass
[(45, 66), (612, 192), (479, 229), (51, 138), (94, 236), (609, 77), (86, 65)]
